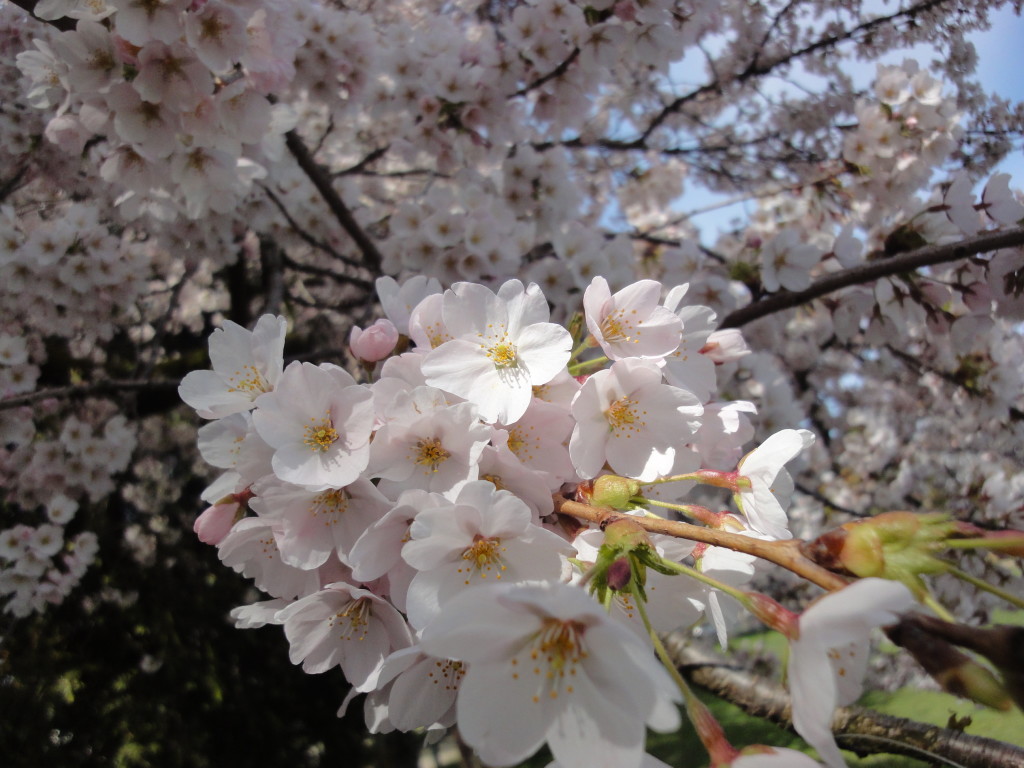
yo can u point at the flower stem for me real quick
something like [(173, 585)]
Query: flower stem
[(710, 731), (785, 553), (710, 581), (984, 585), (1005, 543), (587, 343), (940, 610), (583, 366), (693, 511)]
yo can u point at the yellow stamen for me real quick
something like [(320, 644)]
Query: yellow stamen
[(320, 435), (431, 453)]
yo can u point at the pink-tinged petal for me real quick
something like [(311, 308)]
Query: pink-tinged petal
[(767, 459), (855, 610), (274, 425), (587, 449), (497, 714), (639, 456), (468, 307), (456, 366), (643, 295), (814, 700), (544, 349), (423, 695), (423, 597), (635, 661), (364, 655), (268, 345), (476, 630), (430, 552), (764, 512), (303, 638), (595, 300), (205, 391), (593, 734)]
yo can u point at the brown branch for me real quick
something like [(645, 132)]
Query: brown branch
[(919, 367), (360, 167), (84, 390), (272, 267), (784, 553), (9, 186), (755, 69), (864, 273), (556, 72), (322, 181), (856, 728), (306, 236)]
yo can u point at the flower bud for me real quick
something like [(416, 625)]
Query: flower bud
[(773, 615), (892, 545), (725, 345), (614, 491), (375, 343), (624, 534), (925, 638), (972, 681), (862, 553), (620, 573), (214, 524)]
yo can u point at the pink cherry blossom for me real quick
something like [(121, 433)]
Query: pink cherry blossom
[(318, 420), (627, 417), (631, 323)]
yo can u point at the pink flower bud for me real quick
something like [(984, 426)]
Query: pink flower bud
[(725, 346), (213, 525), (375, 343)]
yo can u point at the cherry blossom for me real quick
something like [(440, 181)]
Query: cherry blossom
[(627, 417), (828, 657), (548, 649), (318, 420), (631, 323), (344, 626), (763, 468), (502, 346), (246, 364)]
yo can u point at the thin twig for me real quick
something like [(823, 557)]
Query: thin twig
[(784, 553), (865, 273), (84, 390)]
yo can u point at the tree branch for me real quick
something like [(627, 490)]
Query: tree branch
[(301, 232), (83, 390), (8, 186), (785, 553), (856, 728), (322, 181), (556, 72), (864, 273)]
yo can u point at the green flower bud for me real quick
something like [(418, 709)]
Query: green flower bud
[(614, 491)]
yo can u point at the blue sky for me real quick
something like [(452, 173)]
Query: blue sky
[(1000, 70)]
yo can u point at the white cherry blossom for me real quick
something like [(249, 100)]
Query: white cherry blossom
[(828, 658), (502, 345), (546, 663)]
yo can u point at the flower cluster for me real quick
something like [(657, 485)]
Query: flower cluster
[(403, 527), (160, 83)]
